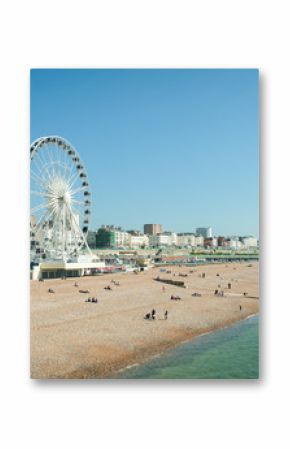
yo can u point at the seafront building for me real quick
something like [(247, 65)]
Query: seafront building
[(199, 240), (164, 239), (211, 242), (186, 239), (138, 240), (233, 243), (207, 233), (110, 236), (153, 229), (250, 242)]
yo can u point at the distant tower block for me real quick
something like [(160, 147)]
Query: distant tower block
[(153, 229), (205, 232)]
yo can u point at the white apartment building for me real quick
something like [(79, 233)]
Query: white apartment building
[(233, 244), (250, 242), (186, 239), (121, 237), (136, 241), (199, 240), (214, 242), (165, 239)]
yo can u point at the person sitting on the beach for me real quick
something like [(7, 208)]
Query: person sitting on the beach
[(76, 284), (166, 314), (153, 314), (229, 285), (89, 299), (147, 316), (245, 293), (50, 290), (216, 292)]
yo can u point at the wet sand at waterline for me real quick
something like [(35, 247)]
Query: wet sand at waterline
[(71, 338)]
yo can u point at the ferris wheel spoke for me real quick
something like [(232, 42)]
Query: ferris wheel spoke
[(58, 161), (62, 156), (65, 167), (82, 203), (37, 178), (37, 165), (73, 180), (42, 194), (71, 170), (46, 216), (63, 164), (44, 170), (39, 207), (41, 157), (50, 158), (79, 190), (50, 161), (41, 162)]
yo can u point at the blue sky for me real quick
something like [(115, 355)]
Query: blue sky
[(177, 147)]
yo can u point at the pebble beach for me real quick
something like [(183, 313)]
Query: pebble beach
[(75, 339)]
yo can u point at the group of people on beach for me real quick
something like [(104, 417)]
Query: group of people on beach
[(175, 298), (95, 300), (219, 292), (152, 315)]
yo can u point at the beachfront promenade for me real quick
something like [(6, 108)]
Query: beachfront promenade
[(72, 338)]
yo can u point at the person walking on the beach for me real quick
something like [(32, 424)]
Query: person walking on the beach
[(163, 288), (166, 314), (240, 308)]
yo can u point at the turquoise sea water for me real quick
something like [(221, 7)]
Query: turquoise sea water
[(231, 353)]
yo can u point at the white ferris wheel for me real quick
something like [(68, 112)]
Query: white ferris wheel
[(60, 200)]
